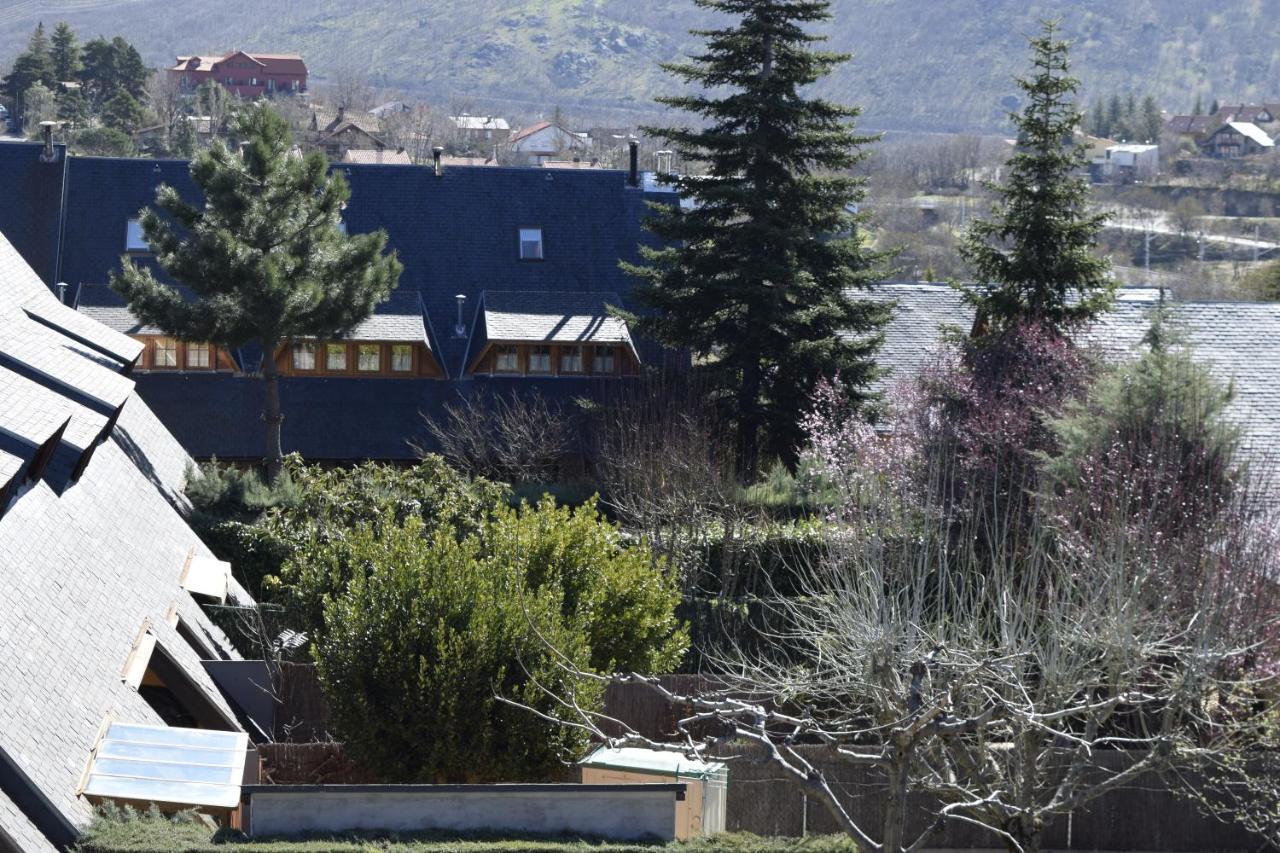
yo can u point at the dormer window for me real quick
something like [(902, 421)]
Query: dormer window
[(401, 358), (506, 359), (165, 353), (603, 361), (570, 359), (133, 239), (369, 358), (530, 244), (304, 356), (197, 355), (540, 359)]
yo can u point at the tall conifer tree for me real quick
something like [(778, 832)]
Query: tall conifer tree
[(264, 259), (65, 53), (756, 271), (1033, 257)]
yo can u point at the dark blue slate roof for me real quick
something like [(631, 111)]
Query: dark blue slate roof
[(455, 234), (30, 203)]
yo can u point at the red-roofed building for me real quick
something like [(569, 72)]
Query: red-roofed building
[(245, 74)]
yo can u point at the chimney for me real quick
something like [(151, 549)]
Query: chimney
[(435, 158), (459, 329), (633, 176), (665, 159), (48, 155), (62, 292), (342, 113)]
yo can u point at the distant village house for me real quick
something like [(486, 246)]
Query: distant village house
[(247, 75)]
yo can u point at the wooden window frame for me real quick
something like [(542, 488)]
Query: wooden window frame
[(377, 351), (613, 356), (209, 356), (315, 353), (551, 360), (411, 367), (155, 353), (563, 352), (346, 358), (519, 360)]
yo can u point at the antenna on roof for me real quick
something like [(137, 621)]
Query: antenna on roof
[(460, 330)]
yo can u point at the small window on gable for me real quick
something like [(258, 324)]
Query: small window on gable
[(369, 358), (335, 357), (197, 355), (540, 359), (401, 357), (133, 239), (304, 356), (506, 358), (530, 244), (571, 359), (603, 361), (165, 353)]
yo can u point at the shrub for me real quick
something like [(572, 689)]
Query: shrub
[(417, 624), (103, 142)]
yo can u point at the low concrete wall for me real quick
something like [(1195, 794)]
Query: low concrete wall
[(622, 812)]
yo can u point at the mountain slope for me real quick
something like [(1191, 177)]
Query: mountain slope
[(919, 64)]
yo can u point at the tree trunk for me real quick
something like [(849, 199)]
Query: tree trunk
[(749, 420), (895, 808), (272, 417)]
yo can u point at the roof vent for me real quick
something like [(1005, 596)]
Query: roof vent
[(48, 155), (633, 176), (460, 330), (435, 158), (62, 292)]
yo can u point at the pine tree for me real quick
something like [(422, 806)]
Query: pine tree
[(122, 112), (1033, 258), (65, 53), (1198, 109), (1098, 120), (756, 273), (264, 259), (1214, 107), (1152, 121), (1115, 116), (34, 65)]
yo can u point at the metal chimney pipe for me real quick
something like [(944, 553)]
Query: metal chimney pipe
[(46, 131), (435, 158), (62, 292), (665, 159), (460, 329), (633, 176)]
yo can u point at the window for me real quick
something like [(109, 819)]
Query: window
[(530, 244), (197, 355), (304, 356), (540, 359), (133, 240), (166, 353), (401, 357), (207, 576), (370, 358), (335, 357), (506, 359), (603, 361), (571, 359)]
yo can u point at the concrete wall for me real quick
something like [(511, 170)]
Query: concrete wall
[(622, 812)]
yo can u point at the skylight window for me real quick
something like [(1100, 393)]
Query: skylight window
[(530, 244), (133, 239), (167, 766)]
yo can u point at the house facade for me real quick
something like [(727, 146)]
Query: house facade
[(1237, 139), (510, 279), (545, 141), (248, 75)]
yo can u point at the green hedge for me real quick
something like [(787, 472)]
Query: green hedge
[(127, 832)]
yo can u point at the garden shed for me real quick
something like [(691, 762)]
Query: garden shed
[(703, 810)]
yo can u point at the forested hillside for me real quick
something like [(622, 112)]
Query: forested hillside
[(920, 64)]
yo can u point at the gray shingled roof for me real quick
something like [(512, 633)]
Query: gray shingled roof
[(118, 318), (71, 322), (556, 317), (1239, 340), (85, 567)]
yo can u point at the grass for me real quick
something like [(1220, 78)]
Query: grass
[(131, 832)]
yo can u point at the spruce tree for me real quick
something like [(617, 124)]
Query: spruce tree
[(264, 259), (1033, 258), (32, 66), (756, 272), (65, 53)]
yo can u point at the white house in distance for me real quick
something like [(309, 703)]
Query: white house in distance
[(545, 141), (1129, 162), (481, 128)]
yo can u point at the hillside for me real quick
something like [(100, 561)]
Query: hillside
[(947, 68)]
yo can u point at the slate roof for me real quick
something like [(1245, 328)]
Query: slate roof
[(382, 156), (480, 123), (85, 563), (455, 234), (1240, 341), (555, 317), (1251, 130)]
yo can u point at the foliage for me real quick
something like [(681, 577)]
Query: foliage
[(32, 66), (264, 259), (112, 67), (1127, 121), (1033, 255), (103, 142), (128, 831), (39, 105), (421, 627), (122, 112), (64, 53), (518, 438), (1263, 281), (755, 275)]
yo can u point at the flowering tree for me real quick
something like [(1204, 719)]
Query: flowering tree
[(1012, 674)]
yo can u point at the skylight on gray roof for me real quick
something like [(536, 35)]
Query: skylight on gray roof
[(168, 766)]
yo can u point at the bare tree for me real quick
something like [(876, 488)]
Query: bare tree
[(519, 438), (165, 98), (1010, 685)]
